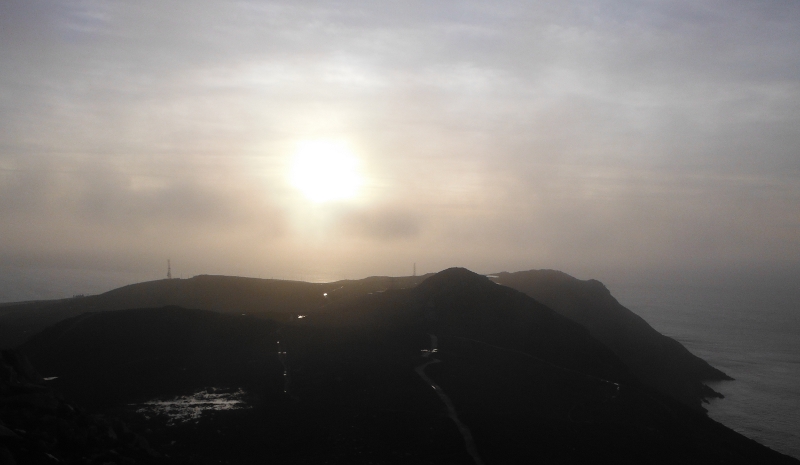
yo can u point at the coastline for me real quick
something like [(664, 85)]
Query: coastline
[(751, 334)]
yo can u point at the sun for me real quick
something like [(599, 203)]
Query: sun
[(325, 171)]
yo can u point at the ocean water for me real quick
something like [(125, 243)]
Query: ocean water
[(750, 329)]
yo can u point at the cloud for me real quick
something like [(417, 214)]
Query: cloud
[(383, 224), (94, 211), (496, 136)]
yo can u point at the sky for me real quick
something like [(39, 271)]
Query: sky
[(594, 137)]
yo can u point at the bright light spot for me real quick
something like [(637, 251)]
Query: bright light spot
[(325, 171), (188, 408), (301, 316)]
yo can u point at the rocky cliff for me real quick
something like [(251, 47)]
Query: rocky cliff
[(657, 360)]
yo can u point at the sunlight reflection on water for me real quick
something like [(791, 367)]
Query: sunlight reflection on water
[(191, 408)]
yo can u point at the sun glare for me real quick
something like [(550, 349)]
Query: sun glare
[(325, 171)]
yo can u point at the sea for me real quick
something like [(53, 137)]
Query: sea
[(747, 326)]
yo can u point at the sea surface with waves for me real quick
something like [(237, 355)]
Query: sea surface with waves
[(748, 328)]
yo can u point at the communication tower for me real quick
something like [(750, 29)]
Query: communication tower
[(169, 270)]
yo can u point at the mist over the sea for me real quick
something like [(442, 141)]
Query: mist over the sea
[(745, 322), (588, 136)]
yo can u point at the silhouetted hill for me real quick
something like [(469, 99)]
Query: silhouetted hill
[(272, 298), (39, 426), (657, 360), (467, 305), (135, 354), (456, 370)]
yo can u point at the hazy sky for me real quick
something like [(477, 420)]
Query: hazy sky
[(584, 136)]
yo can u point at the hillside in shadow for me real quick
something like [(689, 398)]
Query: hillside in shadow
[(455, 370), (272, 298), (657, 360)]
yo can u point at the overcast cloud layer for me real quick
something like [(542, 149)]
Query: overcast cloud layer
[(588, 136)]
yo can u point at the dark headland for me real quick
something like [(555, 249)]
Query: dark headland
[(442, 369)]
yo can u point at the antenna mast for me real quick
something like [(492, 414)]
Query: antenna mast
[(415, 268), (169, 270)]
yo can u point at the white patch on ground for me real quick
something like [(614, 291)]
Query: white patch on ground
[(191, 408)]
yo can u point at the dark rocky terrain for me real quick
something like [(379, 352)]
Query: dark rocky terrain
[(271, 298), (454, 370), (658, 361), (39, 426)]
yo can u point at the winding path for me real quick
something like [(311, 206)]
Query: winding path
[(451, 409)]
